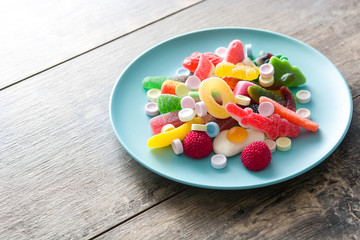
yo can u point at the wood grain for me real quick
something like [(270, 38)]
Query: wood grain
[(64, 175), (39, 34), (321, 204)]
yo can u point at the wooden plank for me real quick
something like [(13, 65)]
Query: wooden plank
[(321, 204), (39, 34), (63, 174)]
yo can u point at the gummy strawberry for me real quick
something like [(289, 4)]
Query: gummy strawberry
[(256, 156), (197, 144)]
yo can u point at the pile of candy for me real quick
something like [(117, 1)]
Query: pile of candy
[(230, 103)]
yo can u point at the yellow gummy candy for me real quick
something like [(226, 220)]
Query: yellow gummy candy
[(245, 72), (205, 93), (164, 139), (224, 69)]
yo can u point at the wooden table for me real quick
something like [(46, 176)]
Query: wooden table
[(64, 175)]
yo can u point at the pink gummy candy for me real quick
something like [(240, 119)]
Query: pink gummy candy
[(156, 123), (241, 88), (235, 52), (274, 126)]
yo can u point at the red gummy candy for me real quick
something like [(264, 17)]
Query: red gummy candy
[(204, 68), (274, 126), (289, 98), (235, 52), (191, 63), (156, 123)]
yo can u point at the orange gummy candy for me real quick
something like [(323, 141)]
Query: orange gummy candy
[(291, 116)]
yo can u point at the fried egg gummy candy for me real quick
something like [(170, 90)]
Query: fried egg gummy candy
[(205, 92)]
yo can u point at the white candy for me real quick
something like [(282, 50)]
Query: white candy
[(199, 127), (187, 102), (304, 112), (266, 70), (283, 144), (177, 146), (153, 94), (271, 144), (266, 82), (221, 51), (151, 109), (266, 109), (221, 144), (218, 161), (192, 83), (187, 114), (200, 109), (182, 72), (242, 100), (303, 96)]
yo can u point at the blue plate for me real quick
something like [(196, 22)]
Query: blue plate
[(331, 107)]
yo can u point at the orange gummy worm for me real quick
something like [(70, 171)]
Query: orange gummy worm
[(291, 116)]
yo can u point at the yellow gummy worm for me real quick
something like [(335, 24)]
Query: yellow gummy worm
[(165, 139)]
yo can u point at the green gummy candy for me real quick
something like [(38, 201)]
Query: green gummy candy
[(153, 82), (156, 82), (256, 92), (168, 103), (282, 67)]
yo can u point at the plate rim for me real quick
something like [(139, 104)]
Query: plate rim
[(253, 186)]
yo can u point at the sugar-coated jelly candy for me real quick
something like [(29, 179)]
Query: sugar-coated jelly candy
[(204, 69), (224, 69), (273, 126), (282, 67), (156, 82), (235, 52), (237, 134), (205, 92), (166, 138), (158, 122), (168, 103), (231, 81), (291, 116), (192, 62), (169, 87), (240, 71)]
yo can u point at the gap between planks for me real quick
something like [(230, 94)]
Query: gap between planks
[(137, 214), (101, 45)]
